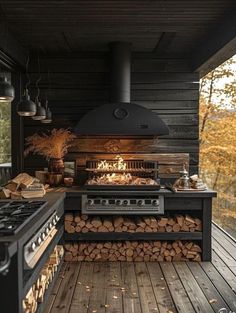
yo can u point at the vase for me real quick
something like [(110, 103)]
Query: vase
[(56, 165)]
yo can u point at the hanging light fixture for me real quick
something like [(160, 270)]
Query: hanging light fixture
[(48, 118), (7, 92), (41, 112), (26, 107)]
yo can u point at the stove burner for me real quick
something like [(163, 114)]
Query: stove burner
[(15, 214)]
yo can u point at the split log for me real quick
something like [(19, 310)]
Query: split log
[(36, 293)]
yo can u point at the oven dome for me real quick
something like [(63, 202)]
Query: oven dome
[(121, 119)]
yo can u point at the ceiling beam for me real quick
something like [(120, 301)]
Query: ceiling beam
[(217, 48), (164, 42), (12, 54)]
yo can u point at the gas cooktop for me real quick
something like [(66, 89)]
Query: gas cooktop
[(14, 215)]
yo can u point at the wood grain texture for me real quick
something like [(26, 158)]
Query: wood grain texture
[(172, 287), (81, 83)]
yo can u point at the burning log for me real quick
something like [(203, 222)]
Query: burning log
[(83, 223), (133, 251)]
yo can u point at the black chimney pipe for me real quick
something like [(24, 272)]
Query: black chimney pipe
[(120, 71)]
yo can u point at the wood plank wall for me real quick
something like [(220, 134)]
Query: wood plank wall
[(78, 84)]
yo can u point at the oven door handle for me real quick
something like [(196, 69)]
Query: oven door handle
[(4, 264)]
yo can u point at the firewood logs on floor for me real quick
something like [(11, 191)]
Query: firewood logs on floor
[(82, 223), (133, 251), (36, 293)]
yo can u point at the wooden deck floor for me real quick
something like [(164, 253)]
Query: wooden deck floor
[(150, 287)]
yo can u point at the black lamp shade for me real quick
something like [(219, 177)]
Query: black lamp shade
[(40, 113), (26, 107), (48, 118), (7, 92)]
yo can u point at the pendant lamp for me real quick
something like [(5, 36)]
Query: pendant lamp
[(48, 118), (26, 107), (40, 112), (7, 92)]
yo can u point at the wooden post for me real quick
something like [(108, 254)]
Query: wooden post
[(206, 229), (17, 137)]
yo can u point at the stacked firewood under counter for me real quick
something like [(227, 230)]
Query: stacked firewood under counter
[(82, 223), (138, 250), (37, 292), (133, 251)]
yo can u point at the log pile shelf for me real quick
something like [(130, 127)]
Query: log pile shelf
[(187, 218)]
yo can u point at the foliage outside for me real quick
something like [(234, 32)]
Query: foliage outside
[(218, 140), (5, 132)]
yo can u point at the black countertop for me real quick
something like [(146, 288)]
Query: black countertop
[(74, 191)]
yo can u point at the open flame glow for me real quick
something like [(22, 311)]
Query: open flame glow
[(119, 165), (116, 176)]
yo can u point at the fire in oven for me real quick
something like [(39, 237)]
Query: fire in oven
[(120, 174)]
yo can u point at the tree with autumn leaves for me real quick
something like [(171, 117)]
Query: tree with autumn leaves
[(218, 139)]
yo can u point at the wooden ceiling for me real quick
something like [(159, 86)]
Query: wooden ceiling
[(176, 27)]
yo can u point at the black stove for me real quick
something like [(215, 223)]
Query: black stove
[(14, 215)]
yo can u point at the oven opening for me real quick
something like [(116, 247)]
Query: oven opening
[(122, 174)]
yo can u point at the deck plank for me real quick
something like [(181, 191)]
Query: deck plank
[(55, 290), (209, 290), (80, 300), (224, 235), (192, 288), (177, 290), (226, 244), (146, 293), (152, 287), (160, 288), (224, 255), (97, 300), (218, 281), (131, 300), (65, 293), (224, 271), (113, 291)]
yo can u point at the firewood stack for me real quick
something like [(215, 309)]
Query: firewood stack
[(22, 186), (36, 293), (148, 224), (133, 251)]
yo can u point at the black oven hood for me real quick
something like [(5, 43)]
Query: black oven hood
[(120, 117)]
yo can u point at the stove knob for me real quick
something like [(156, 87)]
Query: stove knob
[(50, 225), (90, 202), (57, 217), (118, 202), (104, 202), (47, 231), (43, 236), (155, 202), (125, 202), (32, 247), (38, 241), (140, 202), (54, 222)]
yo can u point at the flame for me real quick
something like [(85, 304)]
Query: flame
[(116, 177), (106, 165)]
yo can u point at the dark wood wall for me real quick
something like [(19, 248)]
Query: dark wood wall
[(80, 83)]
